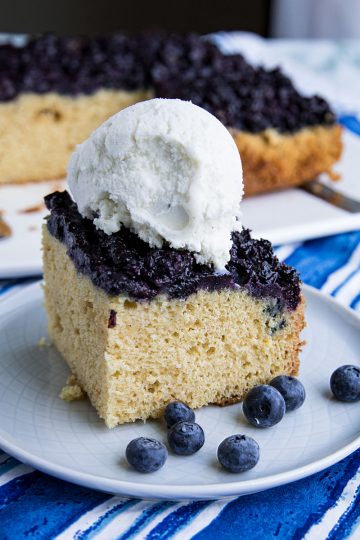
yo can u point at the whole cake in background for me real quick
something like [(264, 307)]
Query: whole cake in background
[(55, 91), (154, 291)]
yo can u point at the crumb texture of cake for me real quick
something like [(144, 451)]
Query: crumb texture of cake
[(38, 133), (210, 347), (5, 229), (55, 91), (274, 160)]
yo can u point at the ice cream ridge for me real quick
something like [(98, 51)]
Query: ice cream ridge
[(164, 295)]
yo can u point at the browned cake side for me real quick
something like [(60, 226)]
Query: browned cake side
[(273, 161)]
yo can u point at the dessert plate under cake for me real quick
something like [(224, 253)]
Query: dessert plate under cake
[(69, 441)]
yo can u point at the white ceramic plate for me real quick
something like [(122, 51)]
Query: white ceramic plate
[(69, 441), (24, 211)]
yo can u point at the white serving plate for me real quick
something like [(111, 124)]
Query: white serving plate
[(69, 441), (20, 254)]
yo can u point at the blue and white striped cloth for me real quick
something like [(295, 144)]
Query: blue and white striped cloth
[(326, 505)]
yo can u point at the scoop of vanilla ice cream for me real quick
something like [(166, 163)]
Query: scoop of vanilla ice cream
[(166, 169)]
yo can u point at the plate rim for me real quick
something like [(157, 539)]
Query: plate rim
[(151, 491)]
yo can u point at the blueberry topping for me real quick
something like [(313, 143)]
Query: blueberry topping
[(345, 383), (146, 455), (238, 94), (112, 319), (175, 66), (186, 438), (291, 389), (264, 406), (238, 453), (122, 263), (176, 411)]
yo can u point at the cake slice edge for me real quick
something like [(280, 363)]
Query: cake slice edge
[(132, 358)]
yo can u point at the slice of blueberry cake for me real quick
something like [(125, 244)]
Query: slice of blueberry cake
[(141, 326), (153, 289), (55, 91)]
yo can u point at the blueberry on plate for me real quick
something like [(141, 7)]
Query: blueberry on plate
[(146, 455), (177, 411), (345, 383), (238, 453), (264, 406), (291, 389), (186, 438)]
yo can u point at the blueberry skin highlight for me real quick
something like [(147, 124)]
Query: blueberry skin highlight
[(186, 438), (238, 453), (146, 455), (264, 406), (345, 383), (177, 411), (291, 389)]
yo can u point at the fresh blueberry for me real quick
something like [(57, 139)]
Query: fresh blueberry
[(291, 389), (146, 455), (264, 406), (345, 383), (176, 411), (238, 453), (186, 438)]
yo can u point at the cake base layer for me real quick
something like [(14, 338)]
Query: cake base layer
[(132, 358), (272, 160), (39, 132)]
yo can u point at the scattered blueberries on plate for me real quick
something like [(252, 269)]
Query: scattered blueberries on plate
[(238, 453), (345, 383), (177, 411), (291, 389), (146, 455), (264, 406), (186, 438)]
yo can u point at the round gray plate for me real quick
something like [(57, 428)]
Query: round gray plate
[(69, 441)]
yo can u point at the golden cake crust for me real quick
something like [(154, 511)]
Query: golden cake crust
[(272, 160)]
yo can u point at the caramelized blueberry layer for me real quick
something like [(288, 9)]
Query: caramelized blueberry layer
[(239, 95), (123, 264), (174, 66)]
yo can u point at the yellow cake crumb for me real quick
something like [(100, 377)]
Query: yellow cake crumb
[(72, 390)]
